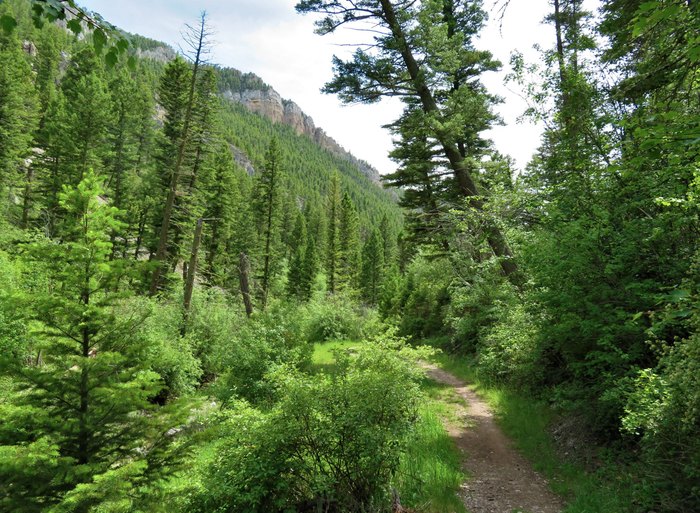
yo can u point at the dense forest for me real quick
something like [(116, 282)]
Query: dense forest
[(176, 269)]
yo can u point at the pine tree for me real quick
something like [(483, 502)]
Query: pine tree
[(333, 242), (124, 143), (389, 241), (223, 203), (349, 246), (372, 267), (267, 209), (309, 269), (87, 117), (88, 390), (431, 63), (18, 115), (181, 131), (316, 223), (51, 162), (191, 198), (295, 276)]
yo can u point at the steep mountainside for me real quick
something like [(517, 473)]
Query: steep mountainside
[(260, 98)]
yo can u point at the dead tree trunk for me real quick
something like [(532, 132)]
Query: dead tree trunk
[(244, 273)]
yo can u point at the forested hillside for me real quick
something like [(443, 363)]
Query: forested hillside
[(206, 306)]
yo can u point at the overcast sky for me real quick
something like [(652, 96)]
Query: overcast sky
[(268, 38)]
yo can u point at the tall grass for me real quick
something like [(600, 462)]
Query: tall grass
[(430, 474)]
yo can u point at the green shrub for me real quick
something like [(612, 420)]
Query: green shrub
[(170, 354), (268, 340), (424, 301), (664, 410), (333, 318), (213, 322), (330, 443), (476, 307), (508, 353)]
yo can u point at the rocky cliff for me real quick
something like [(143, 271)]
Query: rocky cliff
[(250, 90), (268, 102)]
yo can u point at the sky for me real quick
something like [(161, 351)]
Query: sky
[(268, 38)]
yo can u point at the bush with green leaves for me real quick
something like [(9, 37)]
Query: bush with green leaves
[(333, 318), (329, 443), (172, 356), (508, 353), (477, 305), (212, 323), (268, 340), (424, 298), (663, 410)]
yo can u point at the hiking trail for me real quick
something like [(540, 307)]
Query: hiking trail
[(500, 479)]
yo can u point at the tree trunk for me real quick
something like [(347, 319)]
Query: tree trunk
[(191, 271), (27, 201), (457, 162), (244, 273)]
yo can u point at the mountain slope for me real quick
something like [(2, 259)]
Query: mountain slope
[(252, 112)]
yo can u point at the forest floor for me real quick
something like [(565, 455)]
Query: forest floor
[(500, 480)]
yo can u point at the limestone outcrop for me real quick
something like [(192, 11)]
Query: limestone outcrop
[(268, 103)]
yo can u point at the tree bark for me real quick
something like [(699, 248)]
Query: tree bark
[(244, 273), (191, 271)]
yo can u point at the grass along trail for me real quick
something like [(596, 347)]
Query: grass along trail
[(500, 480)]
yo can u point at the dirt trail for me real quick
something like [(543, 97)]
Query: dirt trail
[(501, 480)]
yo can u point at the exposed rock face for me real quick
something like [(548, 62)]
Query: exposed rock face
[(160, 53), (268, 102), (242, 159), (258, 97), (29, 48)]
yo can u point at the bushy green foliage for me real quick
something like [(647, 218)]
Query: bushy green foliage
[(172, 356), (271, 339), (509, 351), (423, 298), (81, 413), (663, 410), (331, 441), (333, 318)]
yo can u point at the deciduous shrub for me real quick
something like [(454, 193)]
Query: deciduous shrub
[(664, 410), (509, 352), (330, 443), (333, 318), (270, 339)]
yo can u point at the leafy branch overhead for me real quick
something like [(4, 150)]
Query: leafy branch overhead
[(105, 37)]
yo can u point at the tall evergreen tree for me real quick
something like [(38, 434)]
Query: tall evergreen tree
[(333, 240), (87, 116), (267, 207), (196, 39), (309, 269), (223, 202), (295, 276), (88, 392), (18, 115), (423, 52), (389, 241), (372, 267), (349, 246)]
